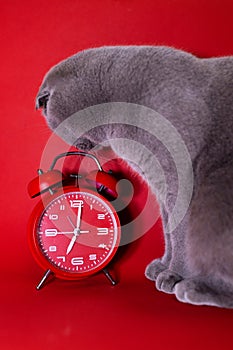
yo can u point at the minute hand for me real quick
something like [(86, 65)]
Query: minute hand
[(78, 222), (76, 231)]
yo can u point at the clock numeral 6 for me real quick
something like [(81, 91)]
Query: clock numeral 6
[(77, 261)]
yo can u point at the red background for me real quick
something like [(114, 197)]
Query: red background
[(90, 314)]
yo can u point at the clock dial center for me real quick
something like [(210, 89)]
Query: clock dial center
[(77, 231)]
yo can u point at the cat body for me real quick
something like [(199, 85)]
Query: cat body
[(195, 99)]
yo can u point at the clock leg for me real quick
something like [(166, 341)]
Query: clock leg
[(44, 279), (109, 277)]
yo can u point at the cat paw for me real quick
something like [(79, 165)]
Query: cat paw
[(196, 292), (154, 269), (167, 280)]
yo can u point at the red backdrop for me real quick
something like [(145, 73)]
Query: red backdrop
[(91, 314)]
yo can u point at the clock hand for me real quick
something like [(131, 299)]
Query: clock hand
[(78, 220), (70, 232), (68, 217), (54, 234), (72, 242), (76, 231), (79, 217)]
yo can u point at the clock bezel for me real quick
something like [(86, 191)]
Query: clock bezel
[(34, 245)]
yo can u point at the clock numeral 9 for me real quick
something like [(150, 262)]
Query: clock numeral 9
[(51, 232)]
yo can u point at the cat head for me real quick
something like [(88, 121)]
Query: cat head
[(69, 87)]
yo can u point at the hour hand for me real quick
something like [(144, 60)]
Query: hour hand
[(76, 230), (71, 244)]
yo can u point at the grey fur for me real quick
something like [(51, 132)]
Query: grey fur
[(196, 96)]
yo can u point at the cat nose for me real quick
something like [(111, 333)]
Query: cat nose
[(42, 100)]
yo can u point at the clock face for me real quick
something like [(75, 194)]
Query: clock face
[(76, 235)]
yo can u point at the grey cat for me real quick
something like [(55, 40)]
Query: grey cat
[(196, 97)]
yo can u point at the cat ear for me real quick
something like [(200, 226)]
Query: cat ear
[(42, 100)]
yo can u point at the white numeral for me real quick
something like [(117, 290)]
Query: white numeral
[(102, 231), (101, 216), (75, 203), (53, 217), (77, 261), (52, 248), (102, 245), (63, 258), (51, 232), (62, 207), (92, 257)]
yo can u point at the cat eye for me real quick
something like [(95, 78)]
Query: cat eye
[(42, 100)]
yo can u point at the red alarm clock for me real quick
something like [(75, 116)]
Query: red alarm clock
[(74, 230)]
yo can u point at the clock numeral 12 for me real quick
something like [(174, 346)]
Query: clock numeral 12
[(75, 203)]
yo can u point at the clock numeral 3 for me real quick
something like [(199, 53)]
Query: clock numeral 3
[(102, 231)]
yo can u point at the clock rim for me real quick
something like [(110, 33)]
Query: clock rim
[(35, 249)]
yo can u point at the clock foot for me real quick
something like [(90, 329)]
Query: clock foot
[(109, 277), (44, 279)]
